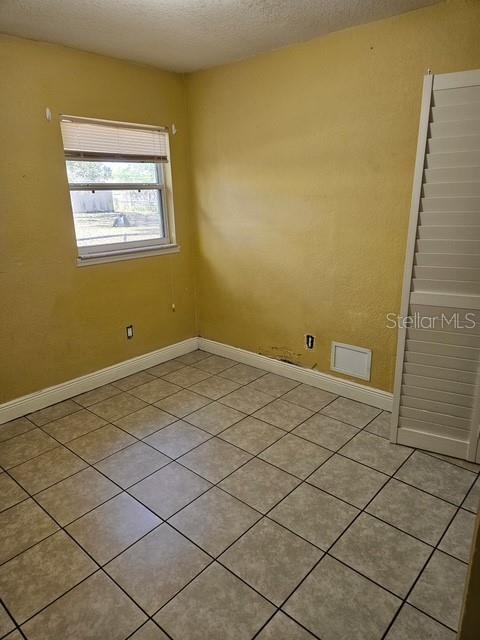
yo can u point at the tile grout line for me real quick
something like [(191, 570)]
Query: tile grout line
[(203, 550), (264, 515), (76, 542), (215, 558), (217, 484), (435, 548), (167, 464), (420, 572), (101, 567), (154, 622), (142, 440), (412, 587), (111, 422), (9, 613), (176, 418), (235, 445), (215, 435), (219, 373), (435, 455), (163, 521), (218, 434), (91, 465), (326, 552)]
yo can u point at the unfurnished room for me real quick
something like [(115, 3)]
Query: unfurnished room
[(240, 313)]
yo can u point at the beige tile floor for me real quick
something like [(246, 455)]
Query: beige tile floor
[(208, 500)]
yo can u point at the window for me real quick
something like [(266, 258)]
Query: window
[(119, 177)]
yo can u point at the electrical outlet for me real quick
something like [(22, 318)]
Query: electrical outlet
[(309, 341), (129, 331)]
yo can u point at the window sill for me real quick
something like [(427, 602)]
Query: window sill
[(132, 254)]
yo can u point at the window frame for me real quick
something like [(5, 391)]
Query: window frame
[(114, 251)]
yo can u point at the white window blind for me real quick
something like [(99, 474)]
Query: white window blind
[(87, 139)]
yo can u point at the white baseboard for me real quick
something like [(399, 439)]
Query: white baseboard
[(46, 397), (51, 395), (352, 390)]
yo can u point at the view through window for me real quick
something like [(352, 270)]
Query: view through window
[(105, 215), (117, 186)]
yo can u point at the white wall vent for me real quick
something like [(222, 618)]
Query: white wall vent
[(351, 360)]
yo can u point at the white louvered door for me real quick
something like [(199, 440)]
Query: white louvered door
[(437, 383)]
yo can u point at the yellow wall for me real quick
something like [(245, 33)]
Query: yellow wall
[(302, 168), (59, 321), (303, 163)]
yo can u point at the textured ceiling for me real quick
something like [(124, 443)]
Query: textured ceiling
[(186, 35)]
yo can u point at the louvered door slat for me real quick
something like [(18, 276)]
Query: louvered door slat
[(452, 337), (427, 382), (433, 373), (455, 128), (449, 287), (442, 349), (453, 159), (432, 218), (436, 399), (456, 112), (452, 175), (435, 417), (461, 204), (453, 143), (459, 402), (447, 273), (445, 189), (455, 247), (449, 232), (448, 259), (441, 361), (456, 96)]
